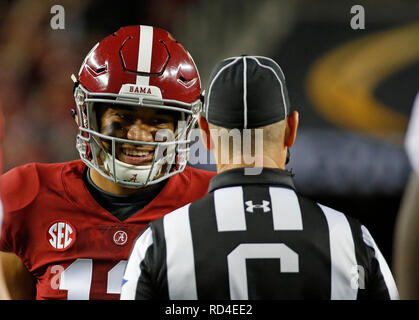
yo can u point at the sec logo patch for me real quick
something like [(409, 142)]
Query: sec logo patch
[(61, 235)]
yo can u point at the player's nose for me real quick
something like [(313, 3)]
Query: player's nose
[(140, 131)]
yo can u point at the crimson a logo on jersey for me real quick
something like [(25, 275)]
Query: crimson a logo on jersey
[(61, 235), (120, 237)]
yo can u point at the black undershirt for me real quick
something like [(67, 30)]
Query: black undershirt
[(122, 206)]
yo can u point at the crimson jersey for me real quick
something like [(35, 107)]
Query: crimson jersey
[(72, 246)]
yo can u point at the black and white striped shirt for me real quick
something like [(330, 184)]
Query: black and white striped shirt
[(254, 237)]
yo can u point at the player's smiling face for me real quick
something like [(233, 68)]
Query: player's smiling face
[(137, 124)]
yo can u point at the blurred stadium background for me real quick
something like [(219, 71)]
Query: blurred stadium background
[(354, 89)]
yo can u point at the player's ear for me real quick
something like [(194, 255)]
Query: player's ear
[(291, 129), (205, 132)]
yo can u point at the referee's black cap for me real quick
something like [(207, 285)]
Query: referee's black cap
[(246, 92)]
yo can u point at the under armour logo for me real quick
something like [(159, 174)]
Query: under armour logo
[(251, 206)]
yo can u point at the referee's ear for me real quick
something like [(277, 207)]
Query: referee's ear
[(291, 129), (205, 132)]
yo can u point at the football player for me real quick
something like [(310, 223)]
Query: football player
[(69, 227)]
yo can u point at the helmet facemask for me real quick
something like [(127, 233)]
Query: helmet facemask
[(137, 66), (99, 151)]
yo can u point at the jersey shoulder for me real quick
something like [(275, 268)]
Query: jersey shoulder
[(198, 181), (199, 177), (196, 173), (21, 185)]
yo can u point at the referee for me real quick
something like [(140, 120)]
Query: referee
[(253, 236)]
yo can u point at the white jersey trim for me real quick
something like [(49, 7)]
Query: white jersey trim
[(133, 270), (344, 269), (286, 212), (384, 268), (229, 209), (180, 262)]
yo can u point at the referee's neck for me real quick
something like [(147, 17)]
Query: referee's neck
[(265, 162)]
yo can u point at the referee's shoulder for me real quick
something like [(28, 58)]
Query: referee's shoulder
[(342, 218), (330, 211)]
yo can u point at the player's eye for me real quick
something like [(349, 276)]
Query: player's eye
[(161, 121), (112, 129), (124, 116)]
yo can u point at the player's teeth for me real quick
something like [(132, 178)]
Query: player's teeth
[(136, 153)]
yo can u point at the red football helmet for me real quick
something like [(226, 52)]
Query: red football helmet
[(137, 66)]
